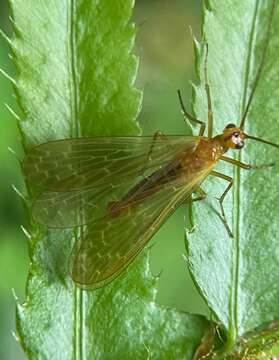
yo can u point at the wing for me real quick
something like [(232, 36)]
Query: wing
[(67, 207), (75, 164), (75, 208), (111, 242)]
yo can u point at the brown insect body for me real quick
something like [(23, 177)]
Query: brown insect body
[(186, 165)]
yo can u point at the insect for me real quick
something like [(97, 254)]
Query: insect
[(122, 189)]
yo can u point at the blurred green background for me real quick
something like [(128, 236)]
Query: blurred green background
[(165, 48)]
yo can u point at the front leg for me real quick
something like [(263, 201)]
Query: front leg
[(246, 166), (190, 117)]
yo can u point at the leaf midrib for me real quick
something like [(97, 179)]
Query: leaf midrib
[(234, 326), (78, 301)]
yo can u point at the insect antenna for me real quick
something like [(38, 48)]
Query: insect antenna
[(261, 140), (266, 43)]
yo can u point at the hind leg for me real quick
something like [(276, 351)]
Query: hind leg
[(222, 198)]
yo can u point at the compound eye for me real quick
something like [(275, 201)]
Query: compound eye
[(229, 126), (236, 139)]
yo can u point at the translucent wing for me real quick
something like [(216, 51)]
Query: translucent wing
[(89, 202), (75, 208), (111, 242), (75, 164)]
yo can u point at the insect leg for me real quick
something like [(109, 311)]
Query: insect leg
[(208, 95), (190, 117), (158, 135), (202, 195), (245, 166), (221, 199)]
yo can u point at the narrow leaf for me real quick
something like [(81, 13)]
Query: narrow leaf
[(238, 276), (76, 79)]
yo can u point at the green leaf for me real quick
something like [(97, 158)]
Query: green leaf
[(238, 277), (76, 79)]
